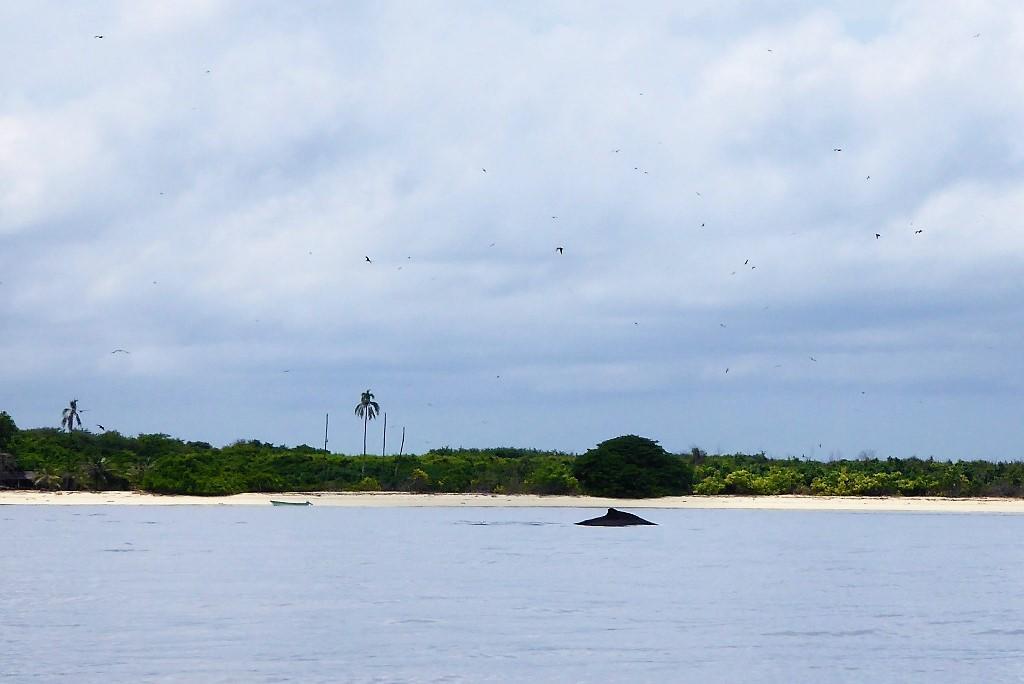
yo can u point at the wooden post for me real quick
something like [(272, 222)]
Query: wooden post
[(384, 441), (327, 422)]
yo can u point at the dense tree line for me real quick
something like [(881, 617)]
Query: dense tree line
[(627, 466), (81, 460)]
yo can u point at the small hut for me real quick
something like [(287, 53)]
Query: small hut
[(11, 477)]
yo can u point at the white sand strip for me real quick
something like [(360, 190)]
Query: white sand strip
[(390, 499)]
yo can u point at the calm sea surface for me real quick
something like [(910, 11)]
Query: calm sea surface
[(239, 594)]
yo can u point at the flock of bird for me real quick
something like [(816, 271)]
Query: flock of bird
[(560, 249)]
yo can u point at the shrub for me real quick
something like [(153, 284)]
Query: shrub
[(632, 467), (552, 477), (712, 484), (780, 481), (367, 484), (741, 482), (419, 481)]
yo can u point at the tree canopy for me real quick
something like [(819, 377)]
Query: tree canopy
[(7, 430), (632, 467)]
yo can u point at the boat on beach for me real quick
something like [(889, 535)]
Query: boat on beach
[(290, 503)]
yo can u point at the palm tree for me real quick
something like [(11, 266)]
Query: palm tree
[(367, 409), (48, 478), (96, 471), (71, 416)]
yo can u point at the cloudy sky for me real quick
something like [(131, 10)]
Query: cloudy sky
[(202, 185)]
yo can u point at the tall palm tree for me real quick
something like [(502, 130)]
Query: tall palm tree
[(367, 409), (71, 416)]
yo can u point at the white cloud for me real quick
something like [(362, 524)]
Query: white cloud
[(247, 158)]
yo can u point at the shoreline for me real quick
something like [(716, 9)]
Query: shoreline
[(408, 500)]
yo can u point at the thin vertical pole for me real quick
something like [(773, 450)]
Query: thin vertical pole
[(384, 442), (327, 422), (402, 448)]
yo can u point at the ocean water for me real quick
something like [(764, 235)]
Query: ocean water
[(319, 594)]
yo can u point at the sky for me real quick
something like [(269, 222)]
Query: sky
[(788, 227)]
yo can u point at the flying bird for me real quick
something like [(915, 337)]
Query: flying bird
[(721, 325), (746, 262), (813, 359), (726, 370), (837, 149), (97, 36), (120, 351), (554, 217), (559, 249), (976, 35), (878, 235), (918, 231), (868, 178), (101, 427), (485, 170), (368, 260)]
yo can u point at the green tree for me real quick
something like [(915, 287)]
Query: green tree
[(7, 430), (96, 472), (367, 409), (71, 416), (48, 478), (632, 467)]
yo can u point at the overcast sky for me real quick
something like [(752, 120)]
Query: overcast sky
[(202, 185)]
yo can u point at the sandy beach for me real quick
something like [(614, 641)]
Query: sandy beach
[(397, 499)]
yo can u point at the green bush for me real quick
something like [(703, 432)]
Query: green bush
[(741, 482), (367, 484), (552, 477), (710, 485), (632, 467), (779, 480), (419, 481)]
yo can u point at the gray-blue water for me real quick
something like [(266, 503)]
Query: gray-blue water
[(239, 594)]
